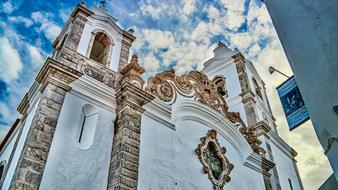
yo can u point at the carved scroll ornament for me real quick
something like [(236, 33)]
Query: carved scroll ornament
[(214, 161), (196, 85)]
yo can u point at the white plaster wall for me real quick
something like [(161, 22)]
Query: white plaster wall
[(94, 24), (235, 105), (285, 168), (18, 150), (69, 165), (229, 71), (168, 160)]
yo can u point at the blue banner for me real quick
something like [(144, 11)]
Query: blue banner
[(293, 104)]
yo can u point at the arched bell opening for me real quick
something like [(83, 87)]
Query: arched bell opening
[(101, 48)]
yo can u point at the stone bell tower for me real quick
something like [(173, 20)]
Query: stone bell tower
[(69, 112), (94, 34)]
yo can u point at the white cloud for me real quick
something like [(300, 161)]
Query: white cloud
[(151, 10), (48, 27), (20, 19), (234, 14), (10, 62), (189, 6), (151, 63), (64, 14), (35, 55), (7, 7)]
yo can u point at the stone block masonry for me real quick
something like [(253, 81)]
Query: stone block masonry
[(34, 156), (126, 148)]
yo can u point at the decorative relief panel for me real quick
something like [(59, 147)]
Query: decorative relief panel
[(213, 159), (88, 67)]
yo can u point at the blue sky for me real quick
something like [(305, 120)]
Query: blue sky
[(178, 34)]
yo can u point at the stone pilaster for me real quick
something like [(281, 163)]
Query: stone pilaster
[(54, 82), (76, 32), (123, 170), (127, 40)]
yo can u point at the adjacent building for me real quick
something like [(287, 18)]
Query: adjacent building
[(308, 32)]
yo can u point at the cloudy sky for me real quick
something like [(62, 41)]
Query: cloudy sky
[(176, 34)]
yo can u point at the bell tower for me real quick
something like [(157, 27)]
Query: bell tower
[(92, 37), (69, 112)]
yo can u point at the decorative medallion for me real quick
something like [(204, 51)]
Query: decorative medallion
[(213, 159)]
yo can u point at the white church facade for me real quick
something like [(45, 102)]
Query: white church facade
[(91, 122)]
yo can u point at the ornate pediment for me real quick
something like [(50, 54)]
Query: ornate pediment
[(166, 86), (196, 85), (214, 161)]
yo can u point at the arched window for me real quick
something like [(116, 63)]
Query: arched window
[(220, 86), (100, 50), (87, 126)]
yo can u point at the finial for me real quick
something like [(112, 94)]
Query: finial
[(131, 31), (134, 59), (83, 2), (132, 73), (220, 43)]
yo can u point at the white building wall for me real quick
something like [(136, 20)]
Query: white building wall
[(71, 165), (93, 24), (285, 168), (227, 68), (18, 149), (168, 159)]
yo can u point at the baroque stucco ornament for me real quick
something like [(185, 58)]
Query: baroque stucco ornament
[(196, 85), (213, 159)]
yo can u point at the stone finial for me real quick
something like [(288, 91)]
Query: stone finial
[(134, 59), (131, 31), (132, 73), (220, 43)]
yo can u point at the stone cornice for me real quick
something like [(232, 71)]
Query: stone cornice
[(248, 96), (95, 92), (130, 95), (79, 9), (57, 73), (259, 164), (126, 35), (49, 73), (159, 111), (260, 128), (24, 105), (82, 9)]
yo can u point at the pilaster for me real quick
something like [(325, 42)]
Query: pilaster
[(123, 170), (54, 80), (76, 32), (127, 40)]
